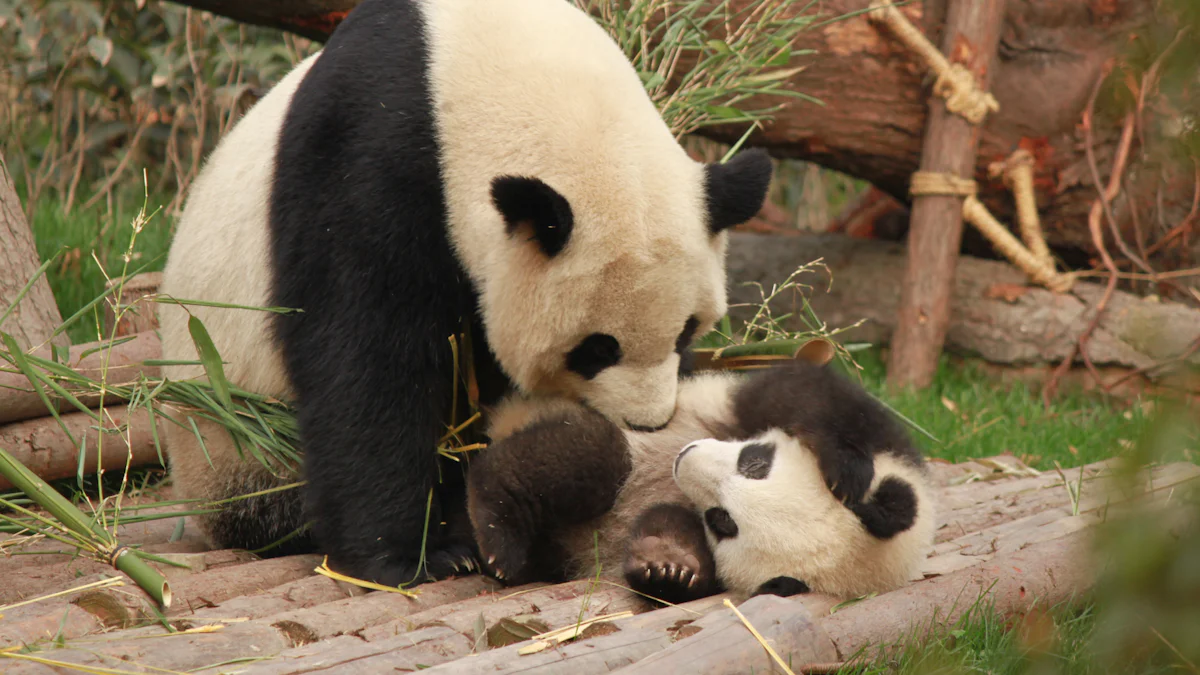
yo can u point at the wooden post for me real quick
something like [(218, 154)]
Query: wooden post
[(36, 317), (970, 38)]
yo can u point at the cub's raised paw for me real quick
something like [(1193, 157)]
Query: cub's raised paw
[(663, 569)]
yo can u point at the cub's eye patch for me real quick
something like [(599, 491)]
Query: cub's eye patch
[(595, 353), (689, 333), (721, 523), (754, 461)]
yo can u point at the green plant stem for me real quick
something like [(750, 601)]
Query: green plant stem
[(124, 559)]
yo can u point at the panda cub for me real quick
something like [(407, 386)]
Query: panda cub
[(800, 482)]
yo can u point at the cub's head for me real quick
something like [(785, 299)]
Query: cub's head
[(605, 275), (775, 527)]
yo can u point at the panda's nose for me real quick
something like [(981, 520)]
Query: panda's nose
[(684, 451)]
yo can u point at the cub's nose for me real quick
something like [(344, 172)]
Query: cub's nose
[(688, 448)]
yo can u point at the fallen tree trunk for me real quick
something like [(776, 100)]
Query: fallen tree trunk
[(995, 315), (43, 446), (874, 96), (19, 402)]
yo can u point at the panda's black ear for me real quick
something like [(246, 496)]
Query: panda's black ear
[(529, 205), (736, 189)]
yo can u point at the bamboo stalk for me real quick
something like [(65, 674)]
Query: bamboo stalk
[(119, 555)]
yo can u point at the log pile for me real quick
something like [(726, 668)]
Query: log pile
[(1005, 531)]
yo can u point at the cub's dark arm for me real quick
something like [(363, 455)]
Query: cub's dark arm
[(562, 470), (843, 424)]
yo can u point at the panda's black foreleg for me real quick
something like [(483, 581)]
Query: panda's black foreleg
[(562, 470), (669, 557), (834, 416), (371, 410)]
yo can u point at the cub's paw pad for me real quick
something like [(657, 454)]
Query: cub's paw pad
[(661, 568)]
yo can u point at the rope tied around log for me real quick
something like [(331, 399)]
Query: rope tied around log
[(955, 82), (1040, 270), (1017, 173), (940, 184)]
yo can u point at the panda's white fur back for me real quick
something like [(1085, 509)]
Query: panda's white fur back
[(220, 254)]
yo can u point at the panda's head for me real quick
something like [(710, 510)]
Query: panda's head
[(605, 275), (773, 523)]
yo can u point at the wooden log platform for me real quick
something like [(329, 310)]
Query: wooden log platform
[(1005, 531)]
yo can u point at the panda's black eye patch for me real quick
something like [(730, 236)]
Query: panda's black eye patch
[(721, 523), (595, 353), (755, 459), (689, 333)]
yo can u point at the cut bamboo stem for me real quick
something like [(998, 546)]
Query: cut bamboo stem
[(119, 556)]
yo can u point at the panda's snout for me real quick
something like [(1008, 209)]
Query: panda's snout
[(687, 448)]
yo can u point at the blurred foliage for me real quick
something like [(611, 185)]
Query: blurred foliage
[(92, 91), (1148, 593)]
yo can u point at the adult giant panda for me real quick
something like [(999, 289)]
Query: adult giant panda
[(496, 163), (789, 480)]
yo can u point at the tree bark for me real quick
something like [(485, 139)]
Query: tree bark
[(875, 93), (971, 35), (36, 316)]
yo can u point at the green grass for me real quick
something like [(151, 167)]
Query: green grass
[(974, 415), (1058, 642), (76, 277)]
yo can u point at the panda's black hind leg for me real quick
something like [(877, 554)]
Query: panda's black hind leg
[(562, 470), (668, 556)]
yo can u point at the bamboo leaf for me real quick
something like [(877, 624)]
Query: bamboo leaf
[(211, 360)]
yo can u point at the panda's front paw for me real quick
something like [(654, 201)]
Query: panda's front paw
[(849, 477), (409, 572), (664, 570), (505, 555)]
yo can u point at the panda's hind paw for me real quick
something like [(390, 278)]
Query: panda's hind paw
[(664, 570)]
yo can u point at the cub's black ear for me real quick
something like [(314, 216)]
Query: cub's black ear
[(784, 587), (529, 204), (736, 189)]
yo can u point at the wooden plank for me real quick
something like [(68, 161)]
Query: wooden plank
[(416, 650), (725, 646)]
